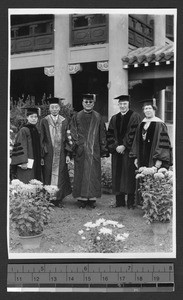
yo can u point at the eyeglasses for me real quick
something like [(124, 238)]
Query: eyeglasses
[(88, 101)]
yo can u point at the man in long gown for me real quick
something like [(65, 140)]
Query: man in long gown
[(54, 146), (120, 135), (89, 145)]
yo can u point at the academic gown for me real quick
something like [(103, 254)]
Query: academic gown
[(27, 146), (54, 151), (121, 131), (89, 145), (156, 145)]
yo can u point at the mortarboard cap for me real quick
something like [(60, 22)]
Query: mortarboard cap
[(89, 97), (54, 100), (151, 102), (31, 110), (123, 98)]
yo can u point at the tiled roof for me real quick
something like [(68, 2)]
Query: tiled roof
[(149, 55)]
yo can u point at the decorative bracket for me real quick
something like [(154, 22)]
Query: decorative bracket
[(75, 68), (103, 65), (49, 71)]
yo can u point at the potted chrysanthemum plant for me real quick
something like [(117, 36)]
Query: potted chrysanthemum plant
[(30, 210), (156, 188)]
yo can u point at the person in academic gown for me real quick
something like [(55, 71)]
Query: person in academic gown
[(55, 150), (26, 153), (120, 136), (88, 134), (151, 146)]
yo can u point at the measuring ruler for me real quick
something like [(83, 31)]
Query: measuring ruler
[(91, 277)]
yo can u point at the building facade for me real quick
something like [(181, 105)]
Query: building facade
[(106, 54)]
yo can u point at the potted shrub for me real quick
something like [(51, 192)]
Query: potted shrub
[(156, 187), (30, 210)]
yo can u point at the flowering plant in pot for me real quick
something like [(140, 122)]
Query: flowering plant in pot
[(30, 207), (156, 187)]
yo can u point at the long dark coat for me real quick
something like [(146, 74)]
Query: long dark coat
[(121, 131), (48, 152), (26, 147), (89, 145), (156, 146)]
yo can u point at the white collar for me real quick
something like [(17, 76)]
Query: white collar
[(154, 119), (55, 118), (125, 112)]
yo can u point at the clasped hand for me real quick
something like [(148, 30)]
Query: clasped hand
[(120, 149)]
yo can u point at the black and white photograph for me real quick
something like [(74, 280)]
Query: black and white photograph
[(91, 133)]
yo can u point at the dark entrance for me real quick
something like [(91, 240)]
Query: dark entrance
[(31, 82), (93, 81)]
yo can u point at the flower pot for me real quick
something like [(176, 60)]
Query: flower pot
[(159, 228), (31, 242)]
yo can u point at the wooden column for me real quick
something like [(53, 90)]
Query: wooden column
[(62, 78), (118, 47)]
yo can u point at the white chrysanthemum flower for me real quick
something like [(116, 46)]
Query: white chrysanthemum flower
[(15, 182), (155, 169), (68, 131), (80, 232), (170, 174), (51, 189), (120, 225), (141, 169), (98, 238), (119, 237), (126, 234), (148, 171), (105, 230), (139, 175), (36, 182), (162, 170), (100, 221), (89, 224), (110, 222), (159, 175)]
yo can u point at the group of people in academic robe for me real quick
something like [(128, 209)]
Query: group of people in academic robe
[(131, 142)]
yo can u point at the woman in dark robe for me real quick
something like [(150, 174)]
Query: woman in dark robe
[(26, 154), (151, 146)]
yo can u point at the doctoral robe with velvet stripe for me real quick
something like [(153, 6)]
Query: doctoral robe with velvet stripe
[(156, 145), (121, 131), (54, 145), (27, 145), (89, 145)]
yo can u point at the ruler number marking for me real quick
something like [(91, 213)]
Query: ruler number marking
[(53, 278), (105, 278), (87, 278), (122, 278), (18, 278), (36, 278)]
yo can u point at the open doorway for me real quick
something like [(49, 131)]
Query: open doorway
[(31, 82)]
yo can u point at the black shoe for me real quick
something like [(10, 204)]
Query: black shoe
[(91, 203), (118, 205), (120, 200), (82, 204), (130, 201), (60, 204)]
